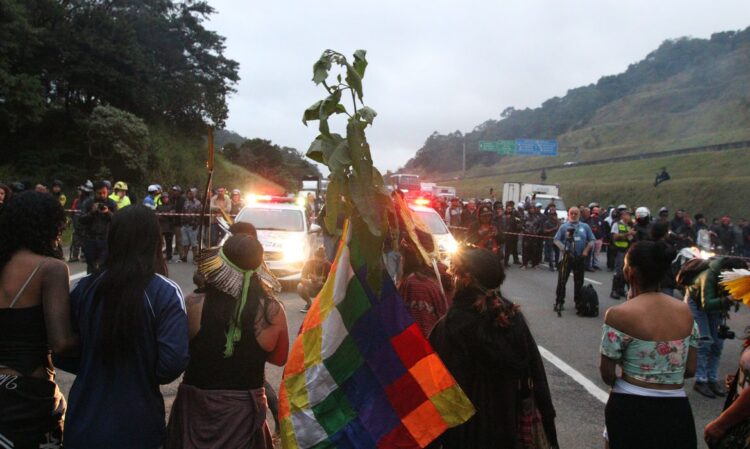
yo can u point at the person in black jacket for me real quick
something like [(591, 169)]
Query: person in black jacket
[(509, 224), (96, 214), (487, 346)]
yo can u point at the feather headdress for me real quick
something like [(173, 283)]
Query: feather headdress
[(737, 282), (227, 277)]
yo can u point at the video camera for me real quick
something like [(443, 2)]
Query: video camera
[(724, 332)]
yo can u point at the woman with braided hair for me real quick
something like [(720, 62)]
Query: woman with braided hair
[(238, 327), (486, 344)]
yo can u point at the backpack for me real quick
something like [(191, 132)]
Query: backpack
[(588, 305)]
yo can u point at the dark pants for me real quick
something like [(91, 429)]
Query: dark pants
[(576, 265), (511, 248), (168, 236), (75, 245), (532, 250), (611, 256), (95, 251)]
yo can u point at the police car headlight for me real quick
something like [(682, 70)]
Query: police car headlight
[(293, 251), (451, 246)]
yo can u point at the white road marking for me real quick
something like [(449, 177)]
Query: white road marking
[(590, 386), (590, 280), (75, 277)]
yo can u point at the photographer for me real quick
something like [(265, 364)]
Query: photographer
[(95, 217), (575, 241), (314, 275), (710, 304)]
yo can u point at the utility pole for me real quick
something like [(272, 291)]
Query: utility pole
[(463, 144)]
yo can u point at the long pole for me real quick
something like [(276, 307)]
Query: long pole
[(463, 144)]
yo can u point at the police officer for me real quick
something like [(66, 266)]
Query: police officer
[(623, 236)]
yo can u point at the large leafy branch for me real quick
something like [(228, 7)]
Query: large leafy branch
[(356, 187)]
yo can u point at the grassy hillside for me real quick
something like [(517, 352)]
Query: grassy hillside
[(710, 183), (173, 159)]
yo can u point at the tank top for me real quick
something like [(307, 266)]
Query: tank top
[(208, 368), (23, 335)]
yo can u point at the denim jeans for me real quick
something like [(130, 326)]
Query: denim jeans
[(551, 253), (709, 346)]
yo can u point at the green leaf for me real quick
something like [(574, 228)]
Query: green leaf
[(359, 149), (354, 80), (321, 68), (365, 200), (312, 113), (331, 150), (360, 62), (367, 114), (328, 107), (333, 204)]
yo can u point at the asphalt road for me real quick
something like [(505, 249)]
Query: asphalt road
[(573, 340)]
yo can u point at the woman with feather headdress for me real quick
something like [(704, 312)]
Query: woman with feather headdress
[(221, 401), (731, 429)]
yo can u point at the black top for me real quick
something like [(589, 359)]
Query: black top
[(208, 368), (23, 339), (489, 363)]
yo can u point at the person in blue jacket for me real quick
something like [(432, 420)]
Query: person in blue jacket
[(134, 337)]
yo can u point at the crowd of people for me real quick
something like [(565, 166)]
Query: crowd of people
[(127, 328), (90, 213)]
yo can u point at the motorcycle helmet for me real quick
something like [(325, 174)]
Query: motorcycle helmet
[(642, 213)]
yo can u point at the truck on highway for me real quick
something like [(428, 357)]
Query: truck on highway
[(521, 192)]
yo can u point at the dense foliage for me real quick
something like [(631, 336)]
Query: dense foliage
[(556, 116), (81, 81), (282, 165)]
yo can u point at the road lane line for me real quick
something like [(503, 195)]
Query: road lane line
[(591, 387), (590, 280)]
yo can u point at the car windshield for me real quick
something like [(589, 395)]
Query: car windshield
[(273, 219), (559, 204), (433, 221)]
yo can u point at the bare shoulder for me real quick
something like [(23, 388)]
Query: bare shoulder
[(614, 315)]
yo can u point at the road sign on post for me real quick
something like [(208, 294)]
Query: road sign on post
[(527, 147), (498, 146)]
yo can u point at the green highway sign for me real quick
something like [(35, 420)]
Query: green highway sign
[(498, 146)]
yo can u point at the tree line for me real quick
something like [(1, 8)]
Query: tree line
[(556, 116), (94, 86)]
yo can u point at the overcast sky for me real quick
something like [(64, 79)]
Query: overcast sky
[(440, 65)]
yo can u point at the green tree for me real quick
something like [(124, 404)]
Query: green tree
[(119, 141)]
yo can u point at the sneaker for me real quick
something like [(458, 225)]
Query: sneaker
[(704, 389), (717, 389)]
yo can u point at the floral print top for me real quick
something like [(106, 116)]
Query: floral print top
[(658, 362)]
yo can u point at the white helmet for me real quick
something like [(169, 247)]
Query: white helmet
[(642, 212)]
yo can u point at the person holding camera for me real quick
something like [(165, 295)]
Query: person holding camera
[(710, 304), (575, 241), (95, 217)]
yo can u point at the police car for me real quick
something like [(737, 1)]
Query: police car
[(446, 244), (284, 230)]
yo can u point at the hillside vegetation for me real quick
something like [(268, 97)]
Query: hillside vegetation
[(686, 93), (113, 90)]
